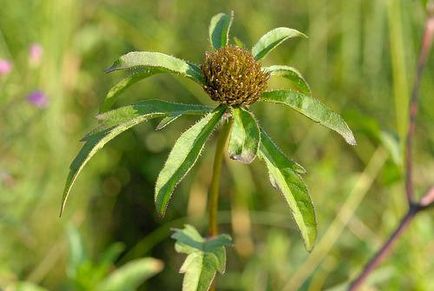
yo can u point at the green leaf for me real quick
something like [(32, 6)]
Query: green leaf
[(244, 137), (205, 257), (115, 122), (131, 275), (122, 85), (272, 39), (313, 109), (183, 156), (219, 29), (160, 62), (291, 74), (283, 176)]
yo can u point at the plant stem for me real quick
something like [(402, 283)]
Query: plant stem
[(384, 251), (414, 101), (214, 190), (428, 199)]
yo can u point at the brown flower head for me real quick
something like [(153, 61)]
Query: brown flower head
[(233, 76)]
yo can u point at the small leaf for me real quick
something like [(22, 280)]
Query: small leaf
[(115, 122), (205, 257), (183, 156), (160, 62), (291, 74), (120, 87), (284, 177), (131, 275), (272, 39), (219, 29), (312, 108), (244, 137)]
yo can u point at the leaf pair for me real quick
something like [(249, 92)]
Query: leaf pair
[(204, 257), (117, 121)]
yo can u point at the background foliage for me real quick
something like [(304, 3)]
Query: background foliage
[(359, 58)]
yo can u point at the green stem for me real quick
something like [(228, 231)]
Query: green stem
[(214, 190)]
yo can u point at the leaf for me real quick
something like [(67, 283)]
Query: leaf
[(120, 87), (183, 156), (160, 62), (205, 257), (291, 74), (244, 136), (284, 177), (272, 39), (115, 122), (312, 108), (131, 275), (219, 29)]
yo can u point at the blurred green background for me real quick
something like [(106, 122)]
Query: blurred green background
[(359, 59)]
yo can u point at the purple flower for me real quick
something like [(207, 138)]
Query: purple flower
[(35, 54), (38, 99), (5, 67)]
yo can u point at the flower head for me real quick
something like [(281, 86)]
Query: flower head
[(38, 99), (233, 76), (5, 67)]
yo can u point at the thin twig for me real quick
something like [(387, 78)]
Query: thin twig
[(414, 101), (428, 199)]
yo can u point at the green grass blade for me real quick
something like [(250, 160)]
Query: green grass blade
[(115, 122), (292, 75), (284, 178), (183, 156), (160, 62), (312, 108), (244, 137), (219, 29), (272, 39)]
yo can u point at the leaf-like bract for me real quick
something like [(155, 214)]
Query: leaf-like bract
[(244, 137), (219, 29), (115, 122), (283, 176), (313, 109), (291, 74), (183, 156), (139, 61), (272, 39), (129, 276), (204, 257)]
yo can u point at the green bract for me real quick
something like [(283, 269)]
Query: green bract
[(246, 138)]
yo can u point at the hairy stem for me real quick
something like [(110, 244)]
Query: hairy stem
[(214, 190)]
